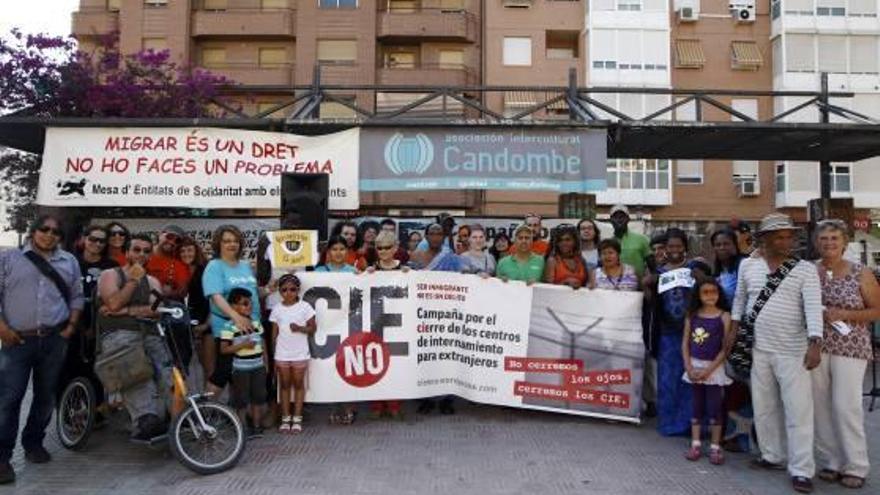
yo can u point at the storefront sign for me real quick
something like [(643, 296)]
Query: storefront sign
[(563, 160)]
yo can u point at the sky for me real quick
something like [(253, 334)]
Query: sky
[(37, 16)]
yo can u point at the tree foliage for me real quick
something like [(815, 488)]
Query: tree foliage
[(46, 76)]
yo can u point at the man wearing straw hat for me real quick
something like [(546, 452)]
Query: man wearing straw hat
[(780, 298)]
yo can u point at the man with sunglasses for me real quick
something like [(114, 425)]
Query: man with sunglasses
[(41, 299)]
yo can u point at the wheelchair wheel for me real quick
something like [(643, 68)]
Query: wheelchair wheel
[(212, 450), (76, 414)]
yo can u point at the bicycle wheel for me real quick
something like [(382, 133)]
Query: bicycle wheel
[(76, 414), (205, 451)]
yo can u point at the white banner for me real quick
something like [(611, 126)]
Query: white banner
[(191, 167), (394, 335)]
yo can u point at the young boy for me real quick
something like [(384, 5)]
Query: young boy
[(249, 363)]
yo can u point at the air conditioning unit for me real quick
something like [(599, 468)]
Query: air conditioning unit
[(688, 14), (743, 11), (749, 188)]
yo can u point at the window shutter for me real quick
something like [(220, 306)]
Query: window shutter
[(337, 50)]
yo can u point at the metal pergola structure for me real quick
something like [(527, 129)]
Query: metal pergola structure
[(656, 135)]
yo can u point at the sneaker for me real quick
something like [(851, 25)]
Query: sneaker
[(7, 474), (255, 432), (694, 453), (297, 426), (285, 425), (37, 455), (715, 456), (761, 463)]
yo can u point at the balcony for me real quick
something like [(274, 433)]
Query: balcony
[(250, 73), (94, 22), (278, 23), (428, 24), (427, 75)]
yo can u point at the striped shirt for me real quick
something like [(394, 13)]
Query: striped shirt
[(796, 306)]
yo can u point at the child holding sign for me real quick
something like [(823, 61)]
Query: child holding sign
[(706, 332)]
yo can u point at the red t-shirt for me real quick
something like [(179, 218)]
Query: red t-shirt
[(539, 247), (169, 271)]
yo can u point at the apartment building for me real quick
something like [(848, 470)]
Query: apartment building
[(839, 37), (682, 44)]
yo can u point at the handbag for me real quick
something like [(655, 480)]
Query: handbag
[(124, 368), (739, 362)]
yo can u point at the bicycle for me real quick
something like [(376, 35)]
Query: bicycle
[(206, 437)]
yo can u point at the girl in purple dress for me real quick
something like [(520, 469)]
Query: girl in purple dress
[(704, 347)]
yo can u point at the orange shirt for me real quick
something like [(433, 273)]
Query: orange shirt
[(561, 271), (539, 247), (169, 271)]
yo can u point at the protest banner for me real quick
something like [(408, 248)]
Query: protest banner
[(563, 160), (191, 167), (395, 335)]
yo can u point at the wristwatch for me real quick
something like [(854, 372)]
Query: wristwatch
[(815, 340)]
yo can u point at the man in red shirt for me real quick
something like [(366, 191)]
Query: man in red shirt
[(166, 267)]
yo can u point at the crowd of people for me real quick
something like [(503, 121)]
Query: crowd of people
[(800, 330)]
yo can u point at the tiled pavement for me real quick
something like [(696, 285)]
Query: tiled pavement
[(482, 450)]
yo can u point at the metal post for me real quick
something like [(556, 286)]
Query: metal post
[(316, 90), (824, 166), (572, 92)]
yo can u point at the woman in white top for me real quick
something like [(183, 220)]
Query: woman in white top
[(589, 233), (476, 259)]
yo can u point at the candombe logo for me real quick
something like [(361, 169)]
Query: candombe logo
[(409, 154)]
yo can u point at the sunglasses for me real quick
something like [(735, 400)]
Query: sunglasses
[(384, 248), (289, 289), (97, 240), (114, 233), (45, 229)]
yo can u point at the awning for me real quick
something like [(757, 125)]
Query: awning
[(520, 99), (689, 54), (746, 54)]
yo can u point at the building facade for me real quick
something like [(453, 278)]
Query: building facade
[(759, 45)]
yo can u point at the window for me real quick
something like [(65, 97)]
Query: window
[(603, 47), (745, 169), (562, 44), (629, 53), (451, 59), (799, 7), (658, 5), (213, 57), (775, 9), (689, 172), (156, 3), (686, 112), (114, 5), (832, 54), (274, 4), (342, 52), (862, 8), (841, 179), (689, 54), (273, 58), (655, 50), (335, 110), (629, 5), (517, 51), (780, 178), (403, 6), (401, 58), (603, 4), (155, 44), (215, 4), (799, 53), (863, 55), (451, 5), (835, 8), (337, 4), (637, 174), (745, 55)]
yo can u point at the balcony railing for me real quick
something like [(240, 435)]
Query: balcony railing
[(93, 21), (245, 21), (253, 74), (427, 74), (433, 23)]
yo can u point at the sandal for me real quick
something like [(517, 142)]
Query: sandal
[(829, 475), (297, 425), (694, 453), (851, 481), (716, 457), (285, 424)]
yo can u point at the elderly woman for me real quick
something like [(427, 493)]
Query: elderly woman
[(851, 297), (612, 274)]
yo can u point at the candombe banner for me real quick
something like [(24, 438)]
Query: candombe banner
[(393, 335), (191, 167), (563, 160)]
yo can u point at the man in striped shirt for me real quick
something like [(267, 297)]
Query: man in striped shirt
[(788, 339)]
